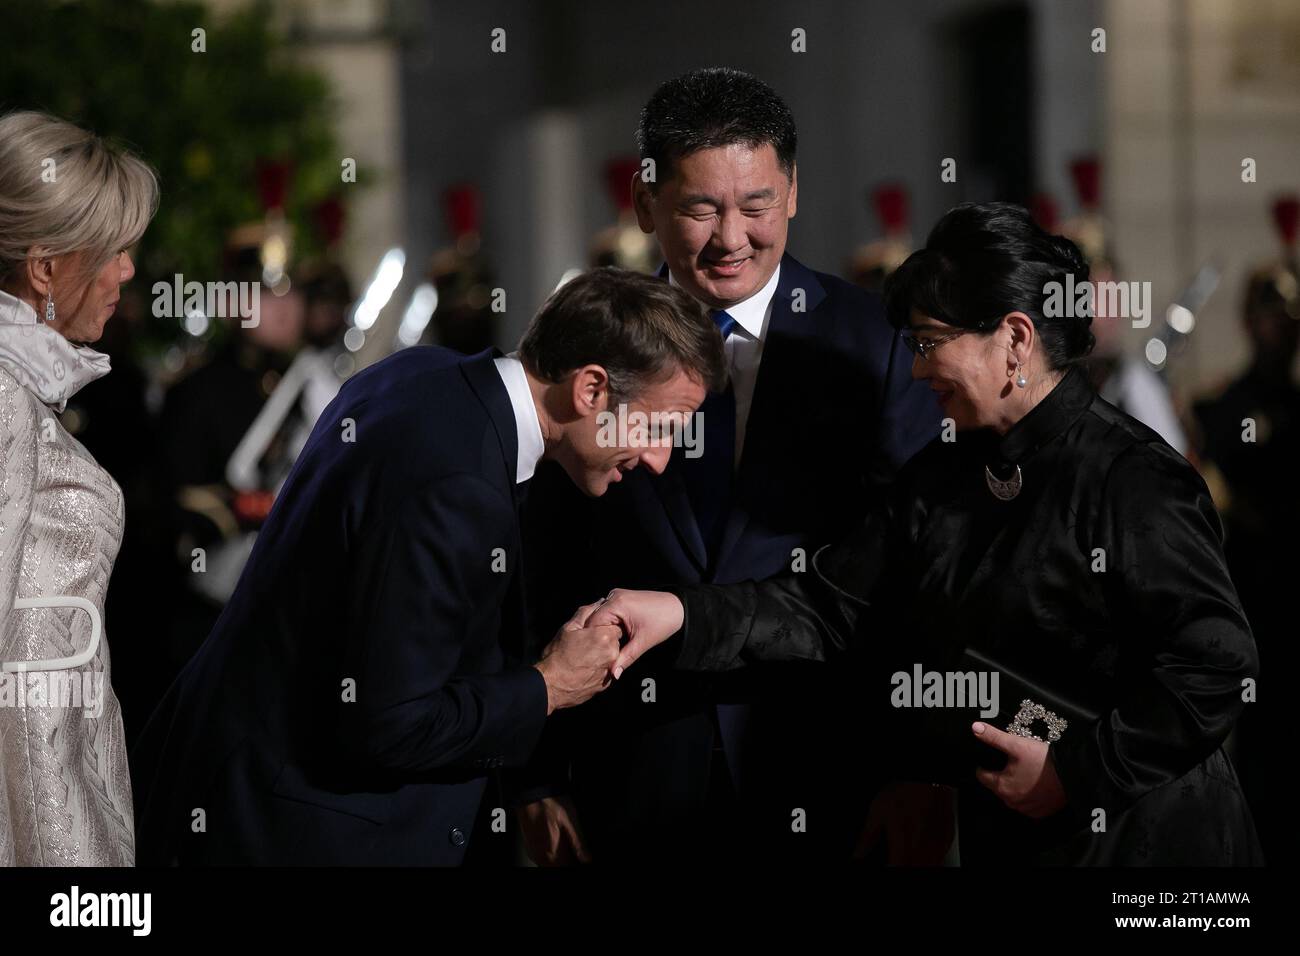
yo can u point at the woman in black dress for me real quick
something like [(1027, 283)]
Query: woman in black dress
[(1045, 537)]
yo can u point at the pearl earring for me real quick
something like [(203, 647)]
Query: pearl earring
[(1021, 381)]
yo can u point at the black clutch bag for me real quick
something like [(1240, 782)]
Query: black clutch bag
[(1027, 708), (937, 739)]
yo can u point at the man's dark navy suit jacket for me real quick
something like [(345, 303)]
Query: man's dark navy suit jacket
[(369, 672)]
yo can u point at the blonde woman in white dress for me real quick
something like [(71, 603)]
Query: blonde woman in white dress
[(70, 207)]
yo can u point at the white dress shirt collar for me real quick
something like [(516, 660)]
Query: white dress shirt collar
[(744, 351), (751, 314), (529, 429)]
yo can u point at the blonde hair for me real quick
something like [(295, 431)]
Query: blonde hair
[(93, 199)]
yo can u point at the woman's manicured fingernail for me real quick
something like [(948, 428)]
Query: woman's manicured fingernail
[(977, 727)]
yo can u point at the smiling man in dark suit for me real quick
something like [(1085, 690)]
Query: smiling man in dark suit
[(371, 670), (820, 412)]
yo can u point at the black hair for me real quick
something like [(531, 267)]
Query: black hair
[(983, 260), (711, 108)]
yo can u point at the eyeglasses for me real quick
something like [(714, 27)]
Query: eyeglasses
[(923, 347)]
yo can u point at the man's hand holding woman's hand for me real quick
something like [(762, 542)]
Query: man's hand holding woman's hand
[(647, 618), (577, 663)]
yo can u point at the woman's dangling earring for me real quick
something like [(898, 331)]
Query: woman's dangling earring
[(1021, 382), (49, 309)]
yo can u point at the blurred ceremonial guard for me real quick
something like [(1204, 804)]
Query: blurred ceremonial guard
[(623, 244), (205, 416), (1126, 381), (1250, 440), (207, 413), (872, 263), (463, 319), (262, 459)]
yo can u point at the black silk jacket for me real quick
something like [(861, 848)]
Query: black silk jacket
[(1099, 591)]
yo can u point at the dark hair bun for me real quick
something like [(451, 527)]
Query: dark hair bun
[(1070, 257)]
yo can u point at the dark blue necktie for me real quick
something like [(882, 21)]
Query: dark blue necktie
[(709, 477), (723, 320)]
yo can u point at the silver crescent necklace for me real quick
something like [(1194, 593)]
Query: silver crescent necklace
[(1003, 490)]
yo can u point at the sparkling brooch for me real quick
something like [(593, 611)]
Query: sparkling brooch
[(1022, 724)]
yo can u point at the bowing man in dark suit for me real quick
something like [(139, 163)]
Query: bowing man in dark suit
[(820, 412), (371, 669)]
